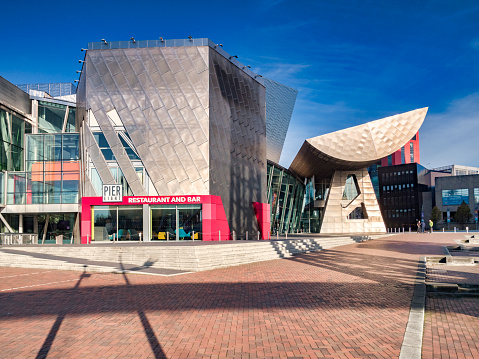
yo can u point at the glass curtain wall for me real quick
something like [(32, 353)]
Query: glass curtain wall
[(122, 223), (52, 117), (58, 224), (286, 196), (52, 171), (12, 132), (176, 222)]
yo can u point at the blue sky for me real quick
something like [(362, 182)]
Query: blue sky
[(352, 61)]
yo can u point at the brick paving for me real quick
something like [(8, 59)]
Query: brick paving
[(451, 328), (347, 302), (443, 273)]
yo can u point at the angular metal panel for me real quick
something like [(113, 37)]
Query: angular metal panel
[(237, 170)]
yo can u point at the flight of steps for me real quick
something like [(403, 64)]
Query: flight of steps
[(177, 256)]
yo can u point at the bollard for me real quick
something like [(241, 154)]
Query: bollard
[(454, 229), (234, 236), (277, 235), (409, 229), (286, 234), (193, 236), (140, 236), (443, 230), (403, 229), (246, 235), (219, 235), (467, 229), (258, 235)]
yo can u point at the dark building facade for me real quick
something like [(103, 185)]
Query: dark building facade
[(404, 190)]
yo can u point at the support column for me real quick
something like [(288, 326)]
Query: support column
[(35, 223), (20, 223), (47, 219), (146, 223), (76, 229)]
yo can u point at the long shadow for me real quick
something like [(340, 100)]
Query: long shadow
[(149, 332), (47, 344)]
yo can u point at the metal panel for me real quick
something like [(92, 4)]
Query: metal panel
[(280, 100), (237, 169)]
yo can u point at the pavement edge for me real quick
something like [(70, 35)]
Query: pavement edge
[(411, 347)]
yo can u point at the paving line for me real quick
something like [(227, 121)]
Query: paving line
[(38, 285), (19, 275), (411, 347)]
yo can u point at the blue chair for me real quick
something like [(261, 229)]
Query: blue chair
[(182, 233)]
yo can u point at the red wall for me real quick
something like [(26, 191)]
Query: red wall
[(214, 217), (396, 156)]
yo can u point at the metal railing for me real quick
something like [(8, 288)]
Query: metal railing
[(18, 238)]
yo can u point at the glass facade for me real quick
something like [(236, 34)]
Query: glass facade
[(12, 133), (52, 171), (58, 224), (52, 117), (176, 222), (2, 188), (286, 197), (454, 197), (123, 223)]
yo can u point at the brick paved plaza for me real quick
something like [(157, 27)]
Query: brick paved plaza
[(348, 302)]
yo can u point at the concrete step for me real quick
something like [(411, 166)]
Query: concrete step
[(181, 257)]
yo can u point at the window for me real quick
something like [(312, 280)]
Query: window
[(476, 196), (454, 197), (403, 159), (411, 151)]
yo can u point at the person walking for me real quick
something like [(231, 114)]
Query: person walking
[(418, 226), (431, 224), (423, 226)]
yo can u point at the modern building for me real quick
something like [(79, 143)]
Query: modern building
[(39, 177), (451, 191), (183, 128), (337, 164), (405, 195), (409, 153), (458, 170), (177, 140)]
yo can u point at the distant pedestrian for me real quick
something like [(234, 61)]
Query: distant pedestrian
[(431, 224), (423, 226), (418, 226)]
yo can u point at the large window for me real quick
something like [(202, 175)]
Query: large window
[(454, 197), (106, 150), (476, 196), (123, 223), (12, 131), (176, 222), (53, 171), (411, 151), (53, 117)]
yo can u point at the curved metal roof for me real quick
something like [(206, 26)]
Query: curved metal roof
[(356, 147)]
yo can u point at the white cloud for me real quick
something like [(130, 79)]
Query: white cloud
[(451, 137)]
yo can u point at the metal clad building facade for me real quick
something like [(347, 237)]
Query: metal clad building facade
[(195, 120), (280, 100)]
